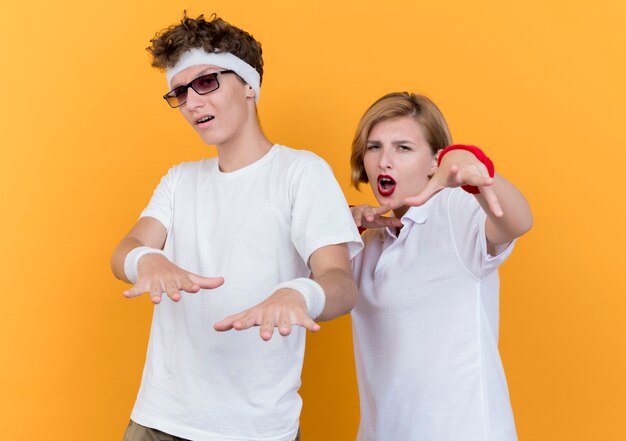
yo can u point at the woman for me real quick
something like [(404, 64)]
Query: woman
[(426, 323)]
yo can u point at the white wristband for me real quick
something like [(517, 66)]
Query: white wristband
[(312, 292), (132, 259)]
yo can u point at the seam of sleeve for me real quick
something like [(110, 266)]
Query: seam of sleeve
[(487, 258), (454, 241), (354, 245), (173, 176), (155, 215)]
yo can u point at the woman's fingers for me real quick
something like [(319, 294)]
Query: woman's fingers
[(432, 188), (357, 214), (492, 200), (372, 217)]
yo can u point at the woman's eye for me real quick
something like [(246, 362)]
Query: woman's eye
[(404, 148), (372, 147)]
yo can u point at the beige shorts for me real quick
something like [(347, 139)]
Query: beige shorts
[(137, 432)]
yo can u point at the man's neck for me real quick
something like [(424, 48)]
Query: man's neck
[(243, 150)]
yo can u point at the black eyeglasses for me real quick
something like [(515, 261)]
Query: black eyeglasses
[(201, 85)]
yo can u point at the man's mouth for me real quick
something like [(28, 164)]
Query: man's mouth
[(204, 119), (386, 185)]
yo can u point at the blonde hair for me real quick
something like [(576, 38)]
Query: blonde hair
[(394, 105)]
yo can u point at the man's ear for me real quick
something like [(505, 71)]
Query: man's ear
[(250, 93)]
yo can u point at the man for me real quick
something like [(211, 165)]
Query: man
[(259, 219)]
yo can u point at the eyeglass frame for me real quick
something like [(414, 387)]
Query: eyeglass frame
[(190, 85)]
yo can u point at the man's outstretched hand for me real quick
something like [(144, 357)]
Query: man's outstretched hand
[(157, 275), (283, 309)]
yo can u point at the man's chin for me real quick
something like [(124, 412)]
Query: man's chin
[(210, 139)]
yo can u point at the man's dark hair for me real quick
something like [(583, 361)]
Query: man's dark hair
[(215, 35)]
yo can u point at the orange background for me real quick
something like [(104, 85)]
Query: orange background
[(85, 136)]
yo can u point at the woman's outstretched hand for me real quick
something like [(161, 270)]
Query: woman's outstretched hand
[(366, 216), (458, 168)]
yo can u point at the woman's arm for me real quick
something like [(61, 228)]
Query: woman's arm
[(508, 212)]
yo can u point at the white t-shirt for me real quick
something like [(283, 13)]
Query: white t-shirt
[(256, 227), (426, 328)]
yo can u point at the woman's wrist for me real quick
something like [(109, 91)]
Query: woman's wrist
[(479, 154)]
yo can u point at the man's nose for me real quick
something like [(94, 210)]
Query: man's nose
[(194, 99)]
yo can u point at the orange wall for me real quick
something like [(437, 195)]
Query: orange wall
[(85, 136)]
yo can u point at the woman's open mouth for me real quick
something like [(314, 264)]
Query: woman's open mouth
[(386, 185)]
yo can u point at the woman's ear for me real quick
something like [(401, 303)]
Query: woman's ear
[(433, 164)]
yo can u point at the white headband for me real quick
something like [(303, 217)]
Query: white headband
[(198, 56)]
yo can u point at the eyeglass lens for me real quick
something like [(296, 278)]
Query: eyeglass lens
[(202, 85)]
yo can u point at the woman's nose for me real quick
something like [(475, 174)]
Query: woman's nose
[(385, 160)]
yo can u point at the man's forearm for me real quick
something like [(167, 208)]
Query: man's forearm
[(340, 291), (147, 232), (119, 255)]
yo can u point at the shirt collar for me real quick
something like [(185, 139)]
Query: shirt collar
[(414, 215), (418, 215)]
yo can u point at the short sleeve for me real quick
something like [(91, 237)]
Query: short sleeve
[(161, 204), (320, 213), (467, 224)]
